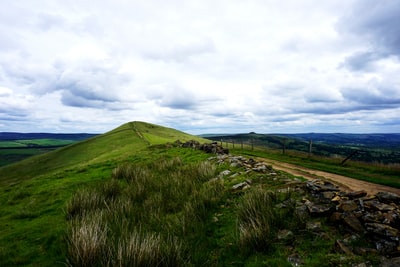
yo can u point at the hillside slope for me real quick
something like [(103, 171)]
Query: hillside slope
[(114, 145), (34, 192)]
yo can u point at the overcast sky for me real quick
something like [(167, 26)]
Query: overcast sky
[(201, 66)]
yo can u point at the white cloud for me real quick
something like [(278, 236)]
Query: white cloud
[(200, 66)]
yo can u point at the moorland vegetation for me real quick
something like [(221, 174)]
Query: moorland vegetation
[(133, 197)]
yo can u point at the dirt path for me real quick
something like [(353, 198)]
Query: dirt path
[(345, 183)]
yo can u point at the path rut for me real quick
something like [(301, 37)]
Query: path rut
[(344, 182)]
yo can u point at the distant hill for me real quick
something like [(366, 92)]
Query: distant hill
[(116, 144), (391, 140), (384, 148), (62, 136)]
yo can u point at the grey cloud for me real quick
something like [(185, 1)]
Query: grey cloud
[(362, 61), (372, 98), (70, 99), (376, 24), (178, 99)]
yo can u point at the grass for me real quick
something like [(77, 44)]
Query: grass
[(128, 198), (141, 218)]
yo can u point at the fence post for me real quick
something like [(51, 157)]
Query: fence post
[(284, 145), (310, 148)]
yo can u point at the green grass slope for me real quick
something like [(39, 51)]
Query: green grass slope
[(115, 145), (33, 192)]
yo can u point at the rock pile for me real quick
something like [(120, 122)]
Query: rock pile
[(213, 147), (372, 218)]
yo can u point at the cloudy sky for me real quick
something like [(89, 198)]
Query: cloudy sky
[(201, 66)]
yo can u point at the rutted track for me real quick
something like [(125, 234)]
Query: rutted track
[(344, 182)]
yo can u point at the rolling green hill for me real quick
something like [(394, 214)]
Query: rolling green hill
[(132, 197), (116, 145), (33, 192)]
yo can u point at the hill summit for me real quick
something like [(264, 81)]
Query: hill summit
[(115, 145)]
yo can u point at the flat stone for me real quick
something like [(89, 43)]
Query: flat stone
[(383, 230), (320, 210), (356, 194), (388, 197), (373, 217), (328, 195), (347, 206), (391, 217), (225, 173), (240, 186), (376, 205), (351, 221)]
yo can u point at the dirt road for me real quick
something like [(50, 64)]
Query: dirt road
[(345, 183)]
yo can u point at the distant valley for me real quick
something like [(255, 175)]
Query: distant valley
[(18, 146), (382, 148)]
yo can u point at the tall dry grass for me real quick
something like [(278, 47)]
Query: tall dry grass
[(259, 218), (139, 217)]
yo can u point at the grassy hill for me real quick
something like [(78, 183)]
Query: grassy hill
[(131, 197), (33, 192)]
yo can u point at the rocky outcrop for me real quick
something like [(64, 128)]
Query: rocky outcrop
[(213, 147), (374, 220)]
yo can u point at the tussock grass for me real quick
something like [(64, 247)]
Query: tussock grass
[(258, 218), (87, 241), (141, 216), (255, 219), (84, 201)]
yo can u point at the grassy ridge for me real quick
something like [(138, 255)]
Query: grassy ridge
[(125, 194), (33, 192)]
